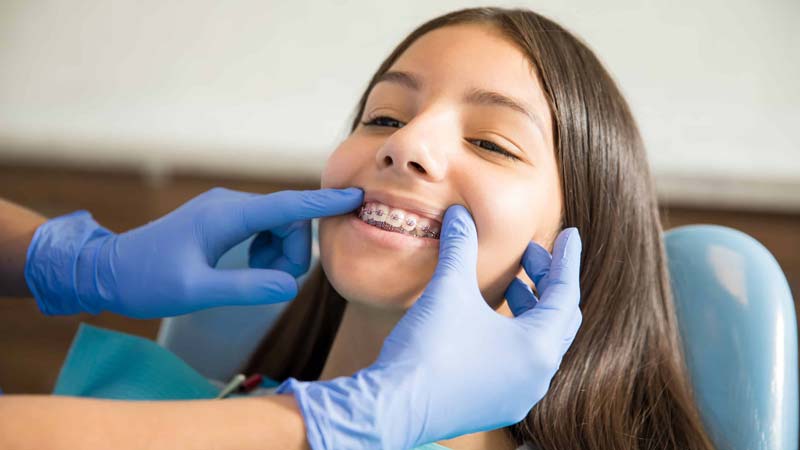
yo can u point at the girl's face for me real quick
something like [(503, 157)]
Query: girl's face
[(460, 118)]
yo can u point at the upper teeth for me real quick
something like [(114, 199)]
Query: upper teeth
[(396, 219)]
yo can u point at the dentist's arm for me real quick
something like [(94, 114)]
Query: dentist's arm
[(66, 423), (17, 226)]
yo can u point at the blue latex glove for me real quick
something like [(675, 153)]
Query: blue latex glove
[(452, 365), (166, 267)]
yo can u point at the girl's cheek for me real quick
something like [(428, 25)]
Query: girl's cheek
[(343, 164), (336, 170), (504, 230)]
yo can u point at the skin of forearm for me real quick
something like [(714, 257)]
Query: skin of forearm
[(55, 423), (17, 225)]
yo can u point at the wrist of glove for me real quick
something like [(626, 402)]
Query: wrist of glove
[(60, 263), (356, 412)]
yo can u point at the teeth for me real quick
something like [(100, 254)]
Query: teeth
[(410, 222), (396, 217), (380, 212), (367, 212), (426, 228), (398, 220)]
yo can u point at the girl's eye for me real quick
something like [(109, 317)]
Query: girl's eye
[(492, 147), (383, 121)]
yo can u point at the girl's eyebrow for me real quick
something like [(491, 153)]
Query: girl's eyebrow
[(475, 96), (406, 79)]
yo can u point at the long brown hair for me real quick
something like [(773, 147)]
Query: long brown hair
[(623, 383)]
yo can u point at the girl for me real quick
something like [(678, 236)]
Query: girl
[(507, 113)]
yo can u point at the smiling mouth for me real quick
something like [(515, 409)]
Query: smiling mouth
[(398, 220)]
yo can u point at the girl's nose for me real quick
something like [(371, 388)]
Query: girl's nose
[(410, 152)]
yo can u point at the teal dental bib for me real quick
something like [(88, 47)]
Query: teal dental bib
[(113, 365)]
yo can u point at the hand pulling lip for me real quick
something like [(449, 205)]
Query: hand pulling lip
[(407, 204)]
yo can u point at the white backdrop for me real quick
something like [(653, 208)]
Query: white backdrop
[(268, 87)]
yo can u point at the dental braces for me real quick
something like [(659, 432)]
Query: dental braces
[(421, 231)]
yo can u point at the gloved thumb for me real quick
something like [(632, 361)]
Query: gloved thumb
[(458, 245), (281, 208), (245, 287)]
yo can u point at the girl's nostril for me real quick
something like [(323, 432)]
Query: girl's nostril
[(417, 166), (387, 160)]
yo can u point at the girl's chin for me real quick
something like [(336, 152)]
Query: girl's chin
[(368, 286), (369, 272), (384, 304)]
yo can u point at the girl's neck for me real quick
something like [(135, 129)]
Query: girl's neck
[(357, 344), (359, 339)]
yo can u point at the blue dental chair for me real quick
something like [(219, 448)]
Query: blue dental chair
[(737, 321), (735, 312)]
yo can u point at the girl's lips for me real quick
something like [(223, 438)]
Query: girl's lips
[(389, 239)]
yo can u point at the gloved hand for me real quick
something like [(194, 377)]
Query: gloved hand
[(452, 365), (166, 267)]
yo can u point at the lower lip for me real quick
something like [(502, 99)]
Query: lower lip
[(390, 238)]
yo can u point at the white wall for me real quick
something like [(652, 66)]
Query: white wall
[(267, 87)]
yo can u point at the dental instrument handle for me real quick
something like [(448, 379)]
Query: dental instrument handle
[(232, 386)]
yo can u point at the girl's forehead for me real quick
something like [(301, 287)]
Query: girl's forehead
[(477, 47), (462, 60), (466, 56)]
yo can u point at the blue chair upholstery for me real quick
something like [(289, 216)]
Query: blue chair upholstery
[(734, 308), (738, 324)]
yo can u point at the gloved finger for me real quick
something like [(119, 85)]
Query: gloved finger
[(263, 250), (295, 254), (572, 330), (224, 193), (458, 245), (536, 261), (560, 298), (281, 208), (286, 248), (564, 273), (244, 287), (520, 297)]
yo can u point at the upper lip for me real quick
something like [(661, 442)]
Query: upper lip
[(408, 204)]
